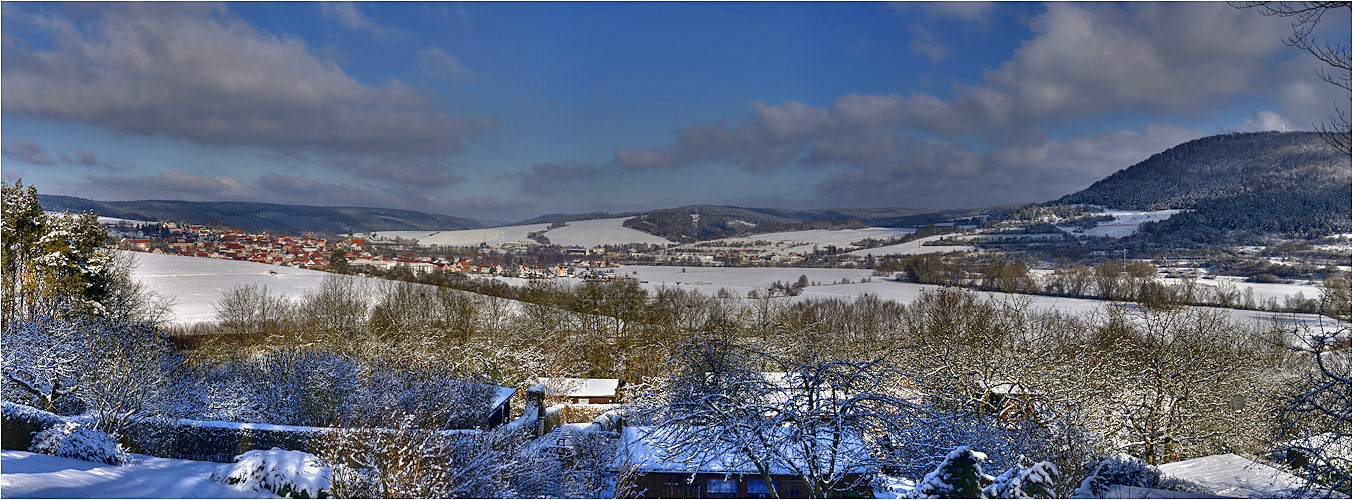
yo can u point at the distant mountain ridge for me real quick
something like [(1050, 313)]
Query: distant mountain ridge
[(259, 216), (706, 222), (1219, 166)]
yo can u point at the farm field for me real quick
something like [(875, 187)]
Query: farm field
[(586, 233), (196, 283)]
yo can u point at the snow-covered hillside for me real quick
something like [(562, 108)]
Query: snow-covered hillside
[(804, 241), (1124, 223), (586, 233), (916, 247)]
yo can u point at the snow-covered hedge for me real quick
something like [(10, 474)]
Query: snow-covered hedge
[(170, 438), (213, 441), (72, 440), (293, 474), (21, 423)]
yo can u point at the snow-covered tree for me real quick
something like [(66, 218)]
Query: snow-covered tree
[(1039, 480), (119, 370), (959, 475), (50, 259)]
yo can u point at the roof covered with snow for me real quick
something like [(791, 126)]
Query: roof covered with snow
[(661, 449), (583, 387)]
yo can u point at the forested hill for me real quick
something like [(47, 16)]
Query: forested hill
[(1235, 188), (257, 216), (1221, 166)]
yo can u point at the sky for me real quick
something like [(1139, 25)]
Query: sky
[(503, 111)]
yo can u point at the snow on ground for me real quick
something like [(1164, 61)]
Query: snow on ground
[(1262, 291), (583, 233), (197, 283), (1234, 476), (467, 237), (1124, 224), (595, 233), (113, 221), (912, 248), (841, 238), (740, 280), (29, 475)]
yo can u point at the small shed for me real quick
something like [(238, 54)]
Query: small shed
[(653, 467), (585, 390), (500, 408)]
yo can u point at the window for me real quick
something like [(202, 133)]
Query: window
[(756, 488), (722, 486), (583, 401)]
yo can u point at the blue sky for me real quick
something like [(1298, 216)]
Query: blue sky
[(504, 111)]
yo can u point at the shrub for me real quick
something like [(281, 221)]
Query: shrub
[(70, 440), (295, 474), (1127, 471), (1264, 278)]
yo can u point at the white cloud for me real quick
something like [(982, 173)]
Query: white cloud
[(442, 64), (1264, 121), (204, 75), (349, 17)]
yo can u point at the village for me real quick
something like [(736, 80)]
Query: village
[(340, 254)]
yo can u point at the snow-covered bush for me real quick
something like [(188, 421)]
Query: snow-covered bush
[(958, 476), (410, 462), (293, 474), (1127, 471), (1036, 481), (71, 440)]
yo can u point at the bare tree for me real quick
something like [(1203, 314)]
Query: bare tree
[(826, 422), (1316, 417), (1305, 17)]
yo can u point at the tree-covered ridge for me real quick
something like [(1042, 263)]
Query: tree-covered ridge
[(259, 216), (1298, 213), (1219, 166)]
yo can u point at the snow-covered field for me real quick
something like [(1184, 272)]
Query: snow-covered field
[(916, 247), (29, 475), (801, 241), (197, 283), (585, 233), (1124, 224), (740, 280)]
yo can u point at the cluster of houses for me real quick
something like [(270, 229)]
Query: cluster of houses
[(198, 241), (313, 252)]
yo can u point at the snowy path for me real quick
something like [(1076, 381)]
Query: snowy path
[(29, 475)]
